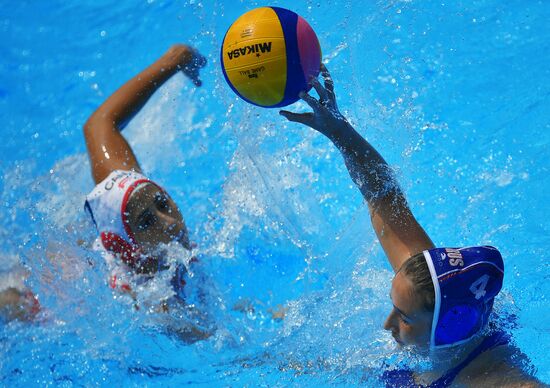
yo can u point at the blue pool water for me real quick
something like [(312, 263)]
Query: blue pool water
[(454, 94)]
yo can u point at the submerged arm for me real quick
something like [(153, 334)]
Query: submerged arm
[(107, 148), (17, 304), (399, 233)]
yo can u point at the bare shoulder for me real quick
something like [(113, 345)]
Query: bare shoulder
[(498, 367)]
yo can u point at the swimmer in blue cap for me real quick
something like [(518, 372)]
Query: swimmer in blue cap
[(442, 297), (134, 215)]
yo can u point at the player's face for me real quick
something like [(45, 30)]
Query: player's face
[(154, 218), (409, 322)]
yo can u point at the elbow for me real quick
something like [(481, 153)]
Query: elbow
[(97, 120), (89, 127)]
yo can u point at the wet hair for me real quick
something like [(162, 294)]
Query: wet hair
[(416, 269)]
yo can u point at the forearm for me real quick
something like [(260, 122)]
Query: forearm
[(398, 231), (367, 168), (122, 105), (107, 148), (393, 222)]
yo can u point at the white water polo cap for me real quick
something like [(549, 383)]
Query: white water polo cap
[(107, 204)]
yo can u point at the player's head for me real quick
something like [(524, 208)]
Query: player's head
[(133, 215), (154, 218), (443, 296)]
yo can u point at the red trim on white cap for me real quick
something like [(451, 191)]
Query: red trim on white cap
[(113, 242)]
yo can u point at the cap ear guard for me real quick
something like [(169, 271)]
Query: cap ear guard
[(128, 253), (466, 280)]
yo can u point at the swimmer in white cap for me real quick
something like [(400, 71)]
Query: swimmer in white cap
[(442, 297), (133, 214)]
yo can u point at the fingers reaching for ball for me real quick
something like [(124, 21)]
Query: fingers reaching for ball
[(311, 101), (321, 91), (327, 98), (302, 118), (326, 92), (329, 83), (325, 117)]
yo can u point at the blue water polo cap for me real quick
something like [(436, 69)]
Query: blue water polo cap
[(466, 280)]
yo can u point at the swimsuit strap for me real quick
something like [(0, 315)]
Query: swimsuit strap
[(402, 378), (490, 342)]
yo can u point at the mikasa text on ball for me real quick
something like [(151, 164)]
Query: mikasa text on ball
[(268, 56)]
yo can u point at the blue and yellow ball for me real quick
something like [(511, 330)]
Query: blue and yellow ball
[(268, 56)]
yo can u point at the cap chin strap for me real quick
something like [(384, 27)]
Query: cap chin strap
[(437, 292)]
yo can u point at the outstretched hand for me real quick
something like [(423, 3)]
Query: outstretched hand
[(188, 60), (191, 68), (325, 118)]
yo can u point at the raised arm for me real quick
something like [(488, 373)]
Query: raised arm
[(107, 148), (398, 231)]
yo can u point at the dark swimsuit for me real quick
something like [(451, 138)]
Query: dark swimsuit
[(405, 377)]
